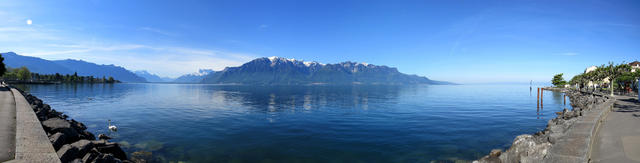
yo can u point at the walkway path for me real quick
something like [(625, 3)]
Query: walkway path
[(618, 139), (7, 124)]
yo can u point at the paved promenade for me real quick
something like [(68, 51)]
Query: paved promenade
[(22, 138), (618, 139), (7, 124)]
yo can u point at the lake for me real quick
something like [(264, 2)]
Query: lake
[(223, 123)]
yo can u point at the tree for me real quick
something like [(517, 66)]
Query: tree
[(578, 81), (558, 81), (111, 80), (3, 69), (24, 73), (625, 80), (614, 71)]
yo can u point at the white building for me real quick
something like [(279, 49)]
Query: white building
[(634, 66), (587, 70)]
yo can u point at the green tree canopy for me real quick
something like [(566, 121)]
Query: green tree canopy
[(558, 81), (24, 73), (3, 69)]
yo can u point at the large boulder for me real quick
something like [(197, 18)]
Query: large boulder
[(57, 140), (83, 146), (67, 153), (91, 155), (54, 125), (78, 125), (87, 135), (107, 158), (112, 148), (526, 149), (103, 137)]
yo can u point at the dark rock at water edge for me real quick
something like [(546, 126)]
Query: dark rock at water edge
[(103, 137), (67, 153), (114, 149), (57, 140)]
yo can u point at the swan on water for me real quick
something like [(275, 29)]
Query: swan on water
[(112, 127)]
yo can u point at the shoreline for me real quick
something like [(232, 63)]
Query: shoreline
[(70, 139), (567, 138)]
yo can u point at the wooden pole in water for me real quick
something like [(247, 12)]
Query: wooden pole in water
[(538, 98), (565, 99), (541, 96)]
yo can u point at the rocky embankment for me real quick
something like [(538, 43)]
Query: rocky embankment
[(71, 139), (543, 146)]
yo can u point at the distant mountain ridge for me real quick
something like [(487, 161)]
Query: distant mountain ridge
[(152, 77), (283, 71), (196, 77), (70, 66)]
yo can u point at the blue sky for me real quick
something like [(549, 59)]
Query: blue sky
[(459, 41)]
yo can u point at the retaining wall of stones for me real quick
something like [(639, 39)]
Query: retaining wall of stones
[(567, 138)]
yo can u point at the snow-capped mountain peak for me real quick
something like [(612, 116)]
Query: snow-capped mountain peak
[(202, 72), (275, 60)]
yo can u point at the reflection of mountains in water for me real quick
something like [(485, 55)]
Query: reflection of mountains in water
[(281, 98)]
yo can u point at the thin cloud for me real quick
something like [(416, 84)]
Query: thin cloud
[(15, 29), (73, 49), (157, 31), (569, 54)]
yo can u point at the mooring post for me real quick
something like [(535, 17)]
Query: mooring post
[(565, 99), (541, 97), (538, 98)]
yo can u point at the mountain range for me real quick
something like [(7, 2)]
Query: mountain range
[(260, 71), (152, 77), (283, 71), (70, 66), (196, 77)]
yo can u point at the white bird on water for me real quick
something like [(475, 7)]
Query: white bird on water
[(112, 127)]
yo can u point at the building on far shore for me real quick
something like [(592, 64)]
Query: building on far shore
[(635, 65)]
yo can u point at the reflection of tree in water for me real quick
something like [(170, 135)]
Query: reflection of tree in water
[(557, 97), (301, 98)]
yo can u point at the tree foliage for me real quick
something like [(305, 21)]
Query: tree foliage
[(3, 69), (618, 77), (23, 74), (558, 80)]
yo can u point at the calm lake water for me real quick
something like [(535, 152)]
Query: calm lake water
[(215, 123)]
